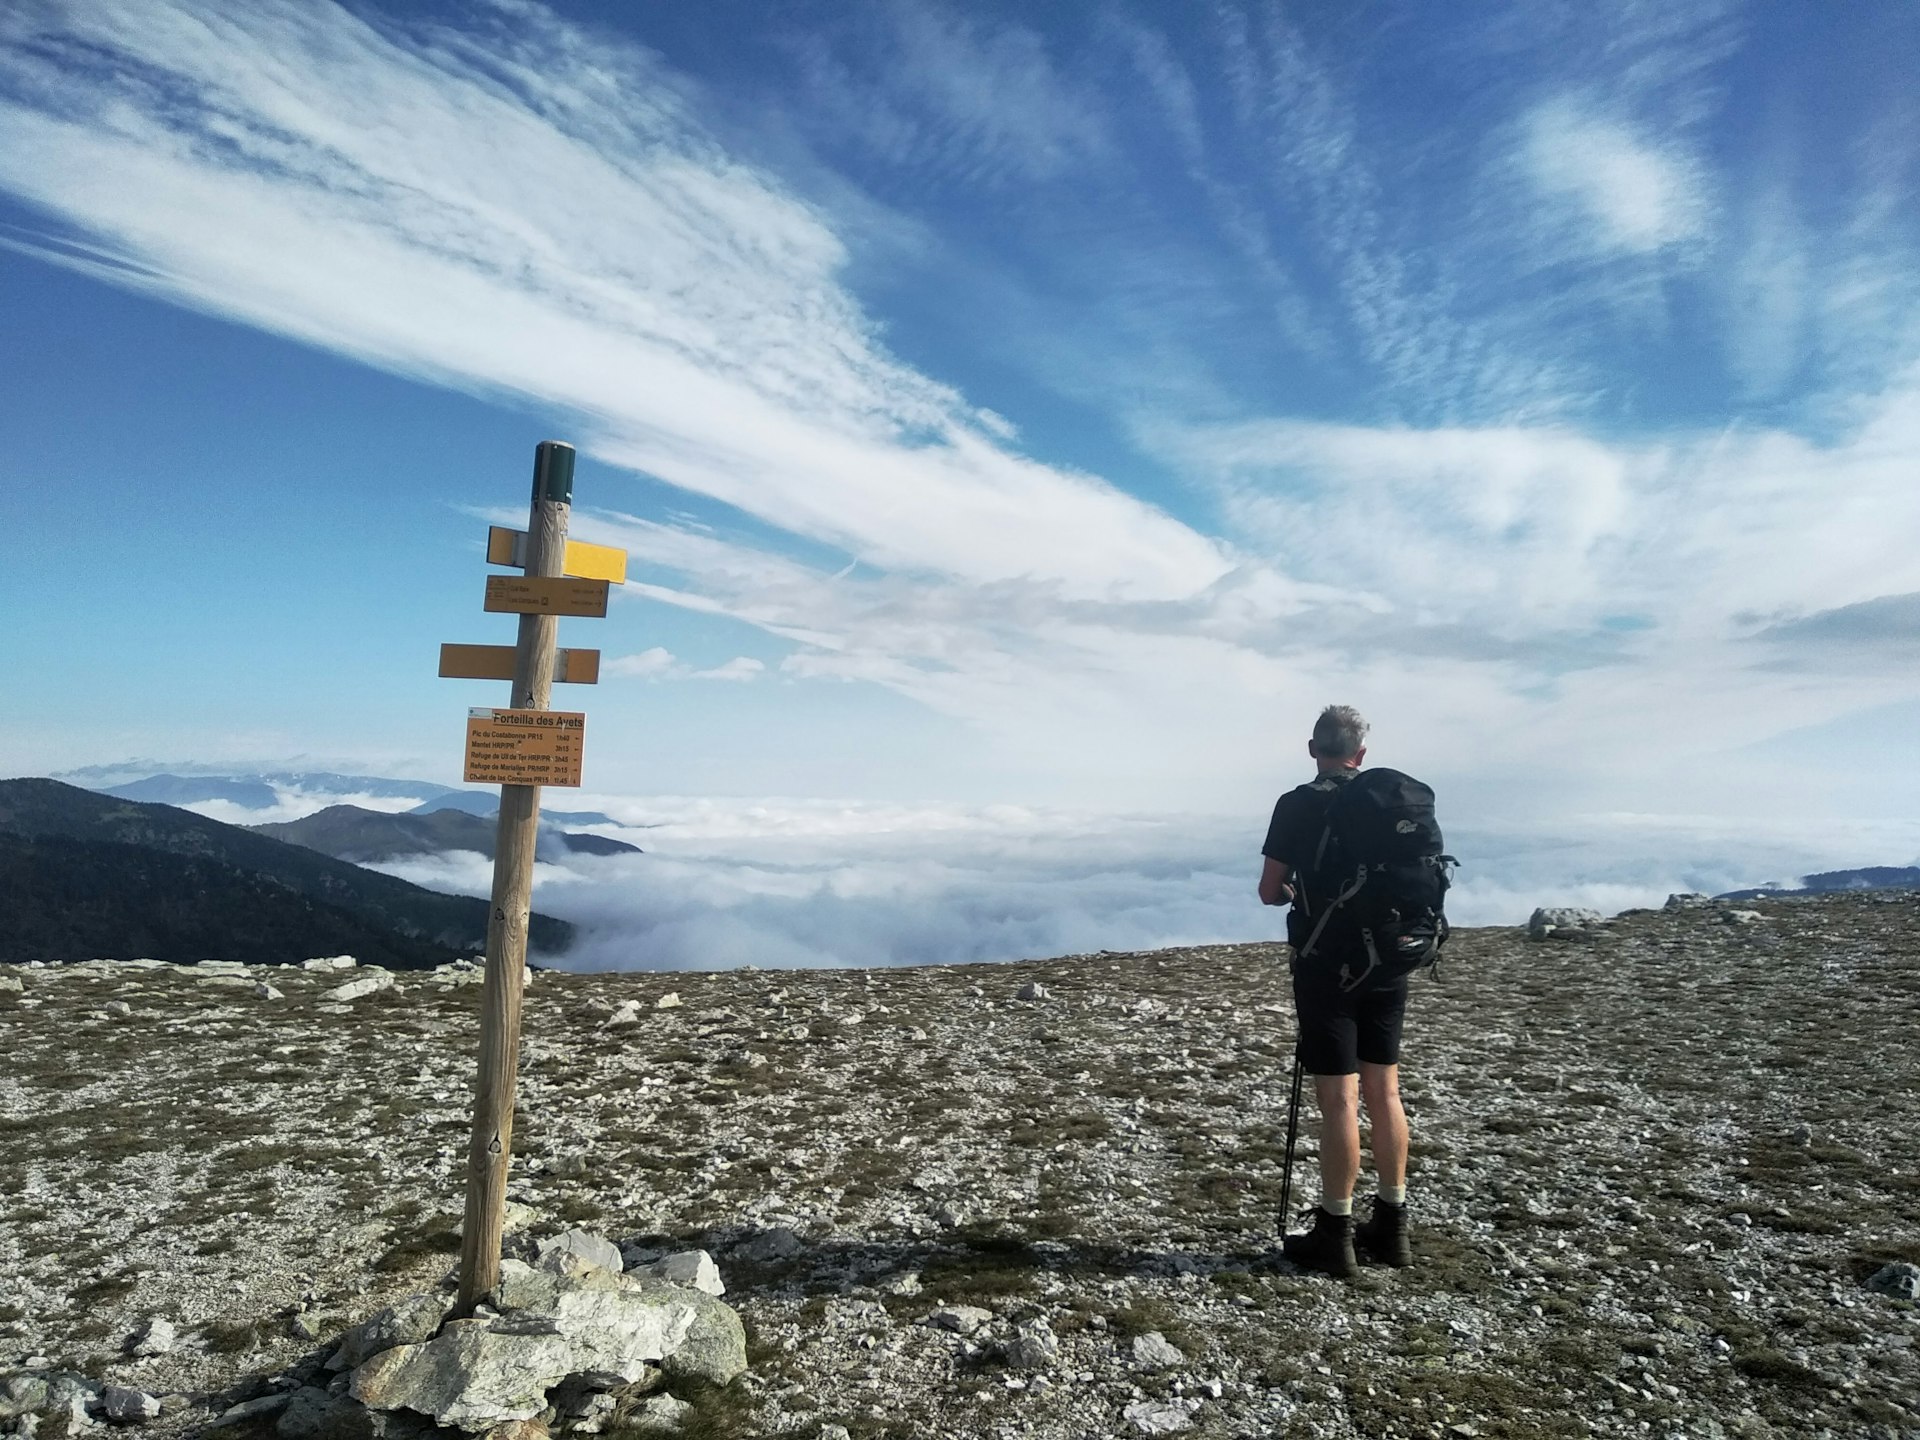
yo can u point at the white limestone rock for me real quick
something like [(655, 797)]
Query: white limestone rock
[(692, 1268), (1160, 1417), (1548, 919), (575, 1250), (660, 1415), (127, 1406), (1153, 1351), (371, 983), (479, 1373), (155, 1335), (410, 1321), (960, 1319)]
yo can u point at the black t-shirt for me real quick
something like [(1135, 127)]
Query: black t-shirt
[(1293, 835)]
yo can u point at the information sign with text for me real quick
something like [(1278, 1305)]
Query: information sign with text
[(525, 747)]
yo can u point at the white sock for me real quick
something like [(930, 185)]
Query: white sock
[(1336, 1207), (1394, 1194)]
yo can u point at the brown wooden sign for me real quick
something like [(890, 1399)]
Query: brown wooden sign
[(495, 662), (532, 595), (524, 747)]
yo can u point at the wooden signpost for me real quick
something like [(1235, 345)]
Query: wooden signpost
[(520, 748)]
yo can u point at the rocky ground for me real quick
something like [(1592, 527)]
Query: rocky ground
[(1655, 1163)]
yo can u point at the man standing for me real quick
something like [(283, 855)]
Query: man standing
[(1349, 1038)]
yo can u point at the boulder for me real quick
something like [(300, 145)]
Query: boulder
[(660, 1415), (12, 984), (1688, 900), (481, 1373), (467, 1376), (1548, 919), (1152, 1351), (778, 1243), (692, 1268), (669, 1001), (574, 1250), (154, 1336), (371, 983), (249, 1412), (1900, 1280), (405, 1322), (127, 1406), (1160, 1417), (1033, 1347), (961, 1319), (1032, 990)]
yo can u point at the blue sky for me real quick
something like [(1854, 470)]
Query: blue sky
[(1001, 404)]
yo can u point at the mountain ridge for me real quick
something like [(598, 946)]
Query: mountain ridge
[(49, 816), (362, 836)]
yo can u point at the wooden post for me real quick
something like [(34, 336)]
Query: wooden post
[(492, 1140)]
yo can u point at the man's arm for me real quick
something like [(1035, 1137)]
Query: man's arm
[(1274, 889)]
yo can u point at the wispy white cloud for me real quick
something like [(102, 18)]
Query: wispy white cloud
[(648, 664), (658, 663), (1632, 192), (522, 214)]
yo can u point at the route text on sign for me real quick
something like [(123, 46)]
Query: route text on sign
[(541, 595), (525, 747)]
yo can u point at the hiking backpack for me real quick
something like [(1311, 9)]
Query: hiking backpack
[(1380, 865)]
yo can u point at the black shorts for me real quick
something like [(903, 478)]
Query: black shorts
[(1340, 1028)]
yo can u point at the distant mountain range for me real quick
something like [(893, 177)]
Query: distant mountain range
[(264, 791), (267, 791), (348, 832), (487, 803), (85, 875), (1869, 877)]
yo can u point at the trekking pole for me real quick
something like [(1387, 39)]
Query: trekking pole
[(1293, 1134)]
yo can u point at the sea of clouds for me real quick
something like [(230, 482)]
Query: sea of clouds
[(788, 883)]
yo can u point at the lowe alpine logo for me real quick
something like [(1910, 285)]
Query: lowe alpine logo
[(1405, 827)]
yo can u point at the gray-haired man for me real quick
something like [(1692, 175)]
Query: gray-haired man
[(1349, 1040)]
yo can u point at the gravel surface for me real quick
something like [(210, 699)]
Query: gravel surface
[(1655, 1160)]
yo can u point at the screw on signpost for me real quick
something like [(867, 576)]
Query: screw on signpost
[(521, 748)]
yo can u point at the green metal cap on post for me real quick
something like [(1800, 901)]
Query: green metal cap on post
[(553, 472)]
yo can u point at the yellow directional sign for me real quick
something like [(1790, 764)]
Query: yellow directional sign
[(584, 561), (495, 662), (524, 747), (533, 595)]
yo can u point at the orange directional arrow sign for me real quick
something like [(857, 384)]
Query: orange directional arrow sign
[(495, 662), (587, 562)]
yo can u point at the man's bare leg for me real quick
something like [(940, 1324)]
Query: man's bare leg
[(1328, 1245), (1386, 1124), (1339, 1100), (1384, 1235)]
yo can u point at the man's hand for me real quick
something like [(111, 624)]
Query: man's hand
[(1274, 886)]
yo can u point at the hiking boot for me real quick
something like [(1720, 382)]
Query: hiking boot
[(1383, 1234), (1328, 1246)]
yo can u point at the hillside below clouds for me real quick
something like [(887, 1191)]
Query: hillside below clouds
[(84, 875), (350, 832)]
